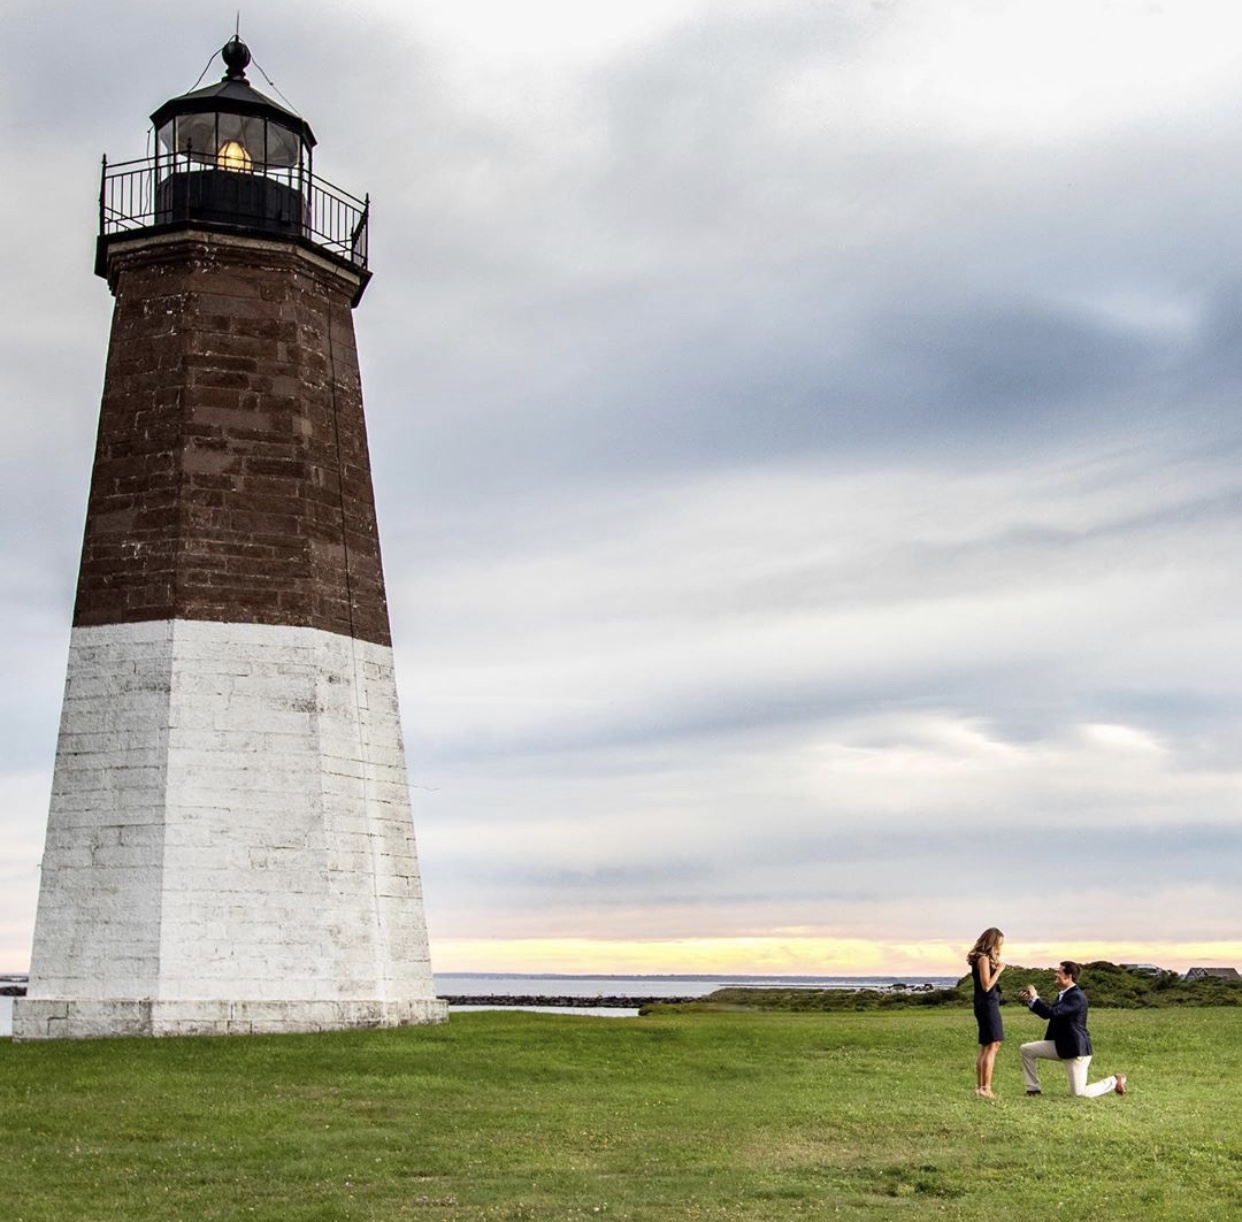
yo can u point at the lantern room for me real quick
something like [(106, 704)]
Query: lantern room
[(228, 157)]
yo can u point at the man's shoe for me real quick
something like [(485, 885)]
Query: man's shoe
[(1040, 1092), (1120, 1088)]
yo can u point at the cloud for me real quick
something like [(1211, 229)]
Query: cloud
[(805, 442)]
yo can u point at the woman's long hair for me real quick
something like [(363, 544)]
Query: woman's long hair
[(989, 941)]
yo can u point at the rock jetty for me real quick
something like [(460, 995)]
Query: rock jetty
[(568, 1003)]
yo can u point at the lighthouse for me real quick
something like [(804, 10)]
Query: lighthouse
[(229, 846)]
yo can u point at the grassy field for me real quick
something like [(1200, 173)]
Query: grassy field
[(712, 1116)]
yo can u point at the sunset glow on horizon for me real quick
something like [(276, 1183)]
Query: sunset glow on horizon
[(792, 956)]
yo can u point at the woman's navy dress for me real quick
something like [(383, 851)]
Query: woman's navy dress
[(987, 1009)]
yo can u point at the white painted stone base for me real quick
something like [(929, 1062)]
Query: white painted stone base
[(229, 844), (107, 1019)]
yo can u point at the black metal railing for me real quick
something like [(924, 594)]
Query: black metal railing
[(287, 201)]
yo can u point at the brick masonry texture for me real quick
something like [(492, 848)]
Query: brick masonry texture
[(232, 479), (229, 846)]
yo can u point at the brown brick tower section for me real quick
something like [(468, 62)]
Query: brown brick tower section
[(232, 480)]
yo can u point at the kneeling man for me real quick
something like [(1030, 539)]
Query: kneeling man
[(1066, 1039)]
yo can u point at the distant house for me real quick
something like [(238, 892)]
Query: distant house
[(1144, 969), (1216, 973)]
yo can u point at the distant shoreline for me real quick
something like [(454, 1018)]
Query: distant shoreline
[(544, 1001)]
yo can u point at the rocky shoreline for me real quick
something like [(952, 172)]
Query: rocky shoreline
[(565, 1003)]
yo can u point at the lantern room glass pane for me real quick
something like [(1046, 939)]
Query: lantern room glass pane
[(284, 146), (236, 130), (195, 135)]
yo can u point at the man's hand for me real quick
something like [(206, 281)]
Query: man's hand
[(1027, 993)]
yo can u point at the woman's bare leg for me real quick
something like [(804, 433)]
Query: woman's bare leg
[(987, 1063)]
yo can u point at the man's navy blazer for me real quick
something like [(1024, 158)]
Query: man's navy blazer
[(1067, 1023)]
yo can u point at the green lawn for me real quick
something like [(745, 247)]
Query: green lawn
[(524, 1116)]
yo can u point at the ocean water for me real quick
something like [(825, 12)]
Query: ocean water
[(516, 984), (513, 984)]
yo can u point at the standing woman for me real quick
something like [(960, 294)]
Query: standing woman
[(985, 969)]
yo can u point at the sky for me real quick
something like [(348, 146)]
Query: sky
[(806, 443)]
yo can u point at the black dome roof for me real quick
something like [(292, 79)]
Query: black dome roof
[(235, 95)]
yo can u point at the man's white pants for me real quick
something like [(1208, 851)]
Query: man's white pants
[(1075, 1069)]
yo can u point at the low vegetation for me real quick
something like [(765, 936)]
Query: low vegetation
[(718, 1115), (1107, 985)]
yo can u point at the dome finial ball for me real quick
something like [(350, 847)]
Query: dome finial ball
[(236, 56)]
